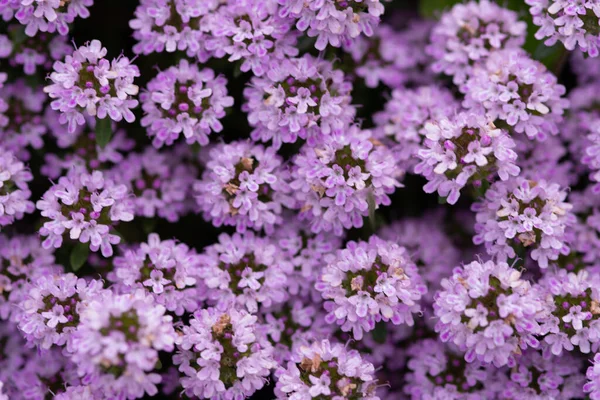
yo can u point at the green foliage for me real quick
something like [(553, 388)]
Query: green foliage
[(103, 131), (79, 255)]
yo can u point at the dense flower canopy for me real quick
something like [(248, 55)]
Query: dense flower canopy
[(300, 199)]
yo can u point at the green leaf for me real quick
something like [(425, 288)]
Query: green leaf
[(435, 8), (371, 203), (380, 332), (79, 255), (148, 225), (237, 70), (103, 131)]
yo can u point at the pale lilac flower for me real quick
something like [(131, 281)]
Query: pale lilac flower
[(438, 371), (469, 33), (521, 214), (538, 377), (333, 22), (244, 271), (430, 248), (172, 25), (161, 184), (306, 252), (400, 124), (511, 87), (14, 189), (245, 186), (368, 282), (23, 260), (223, 355), (334, 369), (43, 373), (49, 15), (87, 206), (88, 82), (467, 149), (298, 98), (502, 308), (52, 307), (168, 270), (571, 315), (592, 385), (25, 123), (338, 181), (392, 58), (572, 22), (36, 53), (117, 343), (297, 322), (184, 100), (253, 33)]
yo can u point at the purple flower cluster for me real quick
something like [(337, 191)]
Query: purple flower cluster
[(326, 369), (117, 342), (167, 269), (298, 98), (400, 125), (574, 23), (24, 122), (393, 58), (314, 201), (87, 206), (86, 81), (46, 15), (160, 187), (518, 91), (14, 189), (252, 33), (488, 311), (467, 149), (368, 282), (223, 355), (244, 185), (522, 214), (32, 53), (337, 181), (470, 33), (184, 100), (171, 25), (333, 22), (244, 271)]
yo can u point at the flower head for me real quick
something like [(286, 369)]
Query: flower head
[(333, 22), (245, 186), (574, 23), (325, 369), (469, 33), (337, 181), (88, 206), (223, 355), (368, 282), (14, 189), (467, 149), (298, 98), (88, 82), (184, 100), (489, 312), (168, 270), (245, 271), (521, 92), (521, 213), (117, 343)]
